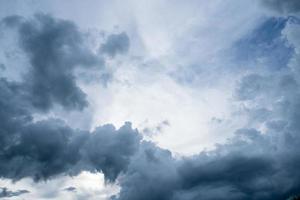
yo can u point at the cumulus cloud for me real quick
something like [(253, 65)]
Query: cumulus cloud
[(254, 164), (248, 167), (48, 148), (55, 48)]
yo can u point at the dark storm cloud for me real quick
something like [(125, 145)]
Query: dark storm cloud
[(283, 6), (152, 174), (8, 193), (109, 150), (116, 44), (48, 148), (251, 165), (44, 149), (248, 168), (55, 48)]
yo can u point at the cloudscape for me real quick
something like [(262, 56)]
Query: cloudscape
[(150, 100)]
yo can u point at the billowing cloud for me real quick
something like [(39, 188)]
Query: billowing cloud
[(55, 48), (249, 167), (47, 148), (259, 162), (254, 164)]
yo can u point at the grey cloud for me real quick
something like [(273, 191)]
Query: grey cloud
[(113, 155), (8, 193), (48, 148), (239, 167), (157, 129), (41, 150), (12, 21), (116, 44), (57, 49), (2, 67), (283, 6), (255, 85), (54, 48), (152, 174), (251, 165), (250, 87), (265, 45), (70, 189)]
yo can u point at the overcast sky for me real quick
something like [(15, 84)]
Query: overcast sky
[(151, 100)]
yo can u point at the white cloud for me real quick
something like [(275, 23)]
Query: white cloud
[(87, 186)]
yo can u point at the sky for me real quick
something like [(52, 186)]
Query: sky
[(152, 100)]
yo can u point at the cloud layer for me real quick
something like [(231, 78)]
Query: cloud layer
[(54, 48), (49, 147), (261, 161)]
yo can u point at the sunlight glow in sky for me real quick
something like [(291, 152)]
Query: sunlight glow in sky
[(152, 100)]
